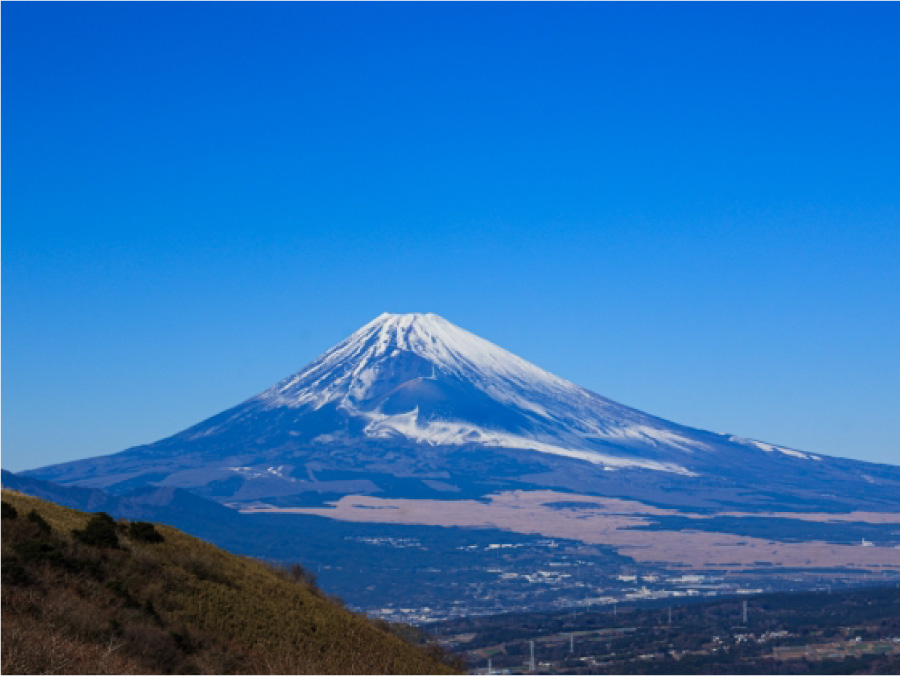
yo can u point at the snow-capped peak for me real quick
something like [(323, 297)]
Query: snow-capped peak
[(406, 346), (420, 377), (416, 394), (452, 348)]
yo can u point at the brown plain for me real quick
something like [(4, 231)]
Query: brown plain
[(611, 521)]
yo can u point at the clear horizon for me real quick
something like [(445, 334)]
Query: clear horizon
[(693, 210)]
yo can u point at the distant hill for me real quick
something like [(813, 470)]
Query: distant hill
[(86, 594), (172, 506)]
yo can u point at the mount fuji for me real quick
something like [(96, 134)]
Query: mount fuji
[(412, 406), (428, 473)]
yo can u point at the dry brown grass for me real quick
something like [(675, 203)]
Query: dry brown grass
[(610, 521), (179, 606)]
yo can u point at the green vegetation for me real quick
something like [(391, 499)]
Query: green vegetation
[(83, 594), (9, 512), (100, 531), (141, 531), (38, 520)]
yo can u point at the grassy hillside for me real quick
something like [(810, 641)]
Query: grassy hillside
[(82, 594)]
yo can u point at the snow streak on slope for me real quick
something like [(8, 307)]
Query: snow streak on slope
[(772, 448), (451, 433), (403, 358)]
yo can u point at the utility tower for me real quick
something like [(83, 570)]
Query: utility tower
[(744, 614)]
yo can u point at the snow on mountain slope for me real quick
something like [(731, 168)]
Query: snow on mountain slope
[(352, 370), (394, 367)]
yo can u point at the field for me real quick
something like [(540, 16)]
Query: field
[(635, 529)]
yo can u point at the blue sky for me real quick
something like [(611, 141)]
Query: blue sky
[(691, 209)]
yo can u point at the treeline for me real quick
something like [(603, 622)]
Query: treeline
[(703, 637), (875, 610)]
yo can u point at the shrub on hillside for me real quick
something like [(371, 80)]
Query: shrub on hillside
[(37, 519), (297, 573), (9, 512), (29, 551), (100, 531), (142, 531)]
